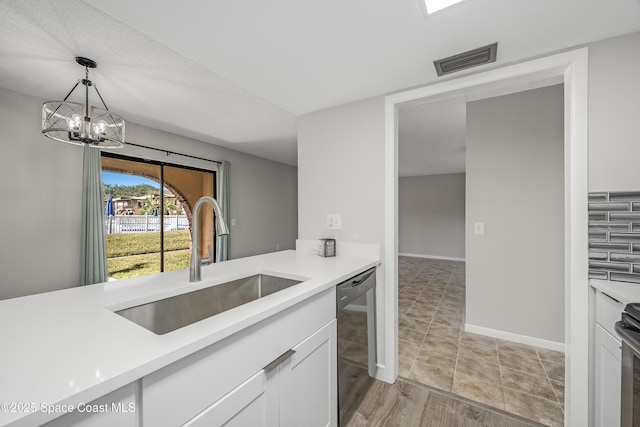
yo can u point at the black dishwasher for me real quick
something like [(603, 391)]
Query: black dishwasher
[(356, 313)]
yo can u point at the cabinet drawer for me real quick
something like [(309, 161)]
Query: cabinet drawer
[(608, 312)]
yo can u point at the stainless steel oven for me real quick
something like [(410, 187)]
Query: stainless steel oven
[(629, 329)]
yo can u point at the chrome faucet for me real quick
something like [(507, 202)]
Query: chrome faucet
[(221, 229)]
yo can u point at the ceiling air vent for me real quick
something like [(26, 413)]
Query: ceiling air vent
[(462, 61)]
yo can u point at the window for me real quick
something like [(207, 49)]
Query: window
[(148, 215)]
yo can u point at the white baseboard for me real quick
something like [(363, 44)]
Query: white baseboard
[(522, 339), (448, 258), (383, 375)]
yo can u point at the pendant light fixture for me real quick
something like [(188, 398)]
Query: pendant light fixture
[(75, 123)]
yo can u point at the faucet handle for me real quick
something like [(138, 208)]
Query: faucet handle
[(209, 259)]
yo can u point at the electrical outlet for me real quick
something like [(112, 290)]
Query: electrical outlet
[(334, 221), (233, 222)]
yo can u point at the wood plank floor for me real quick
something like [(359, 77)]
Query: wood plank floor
[(371, 403)]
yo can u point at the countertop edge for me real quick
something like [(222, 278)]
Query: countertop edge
[(623, 292)]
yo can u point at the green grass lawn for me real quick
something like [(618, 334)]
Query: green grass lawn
[(124, 244), (138, 254), (143, 265)]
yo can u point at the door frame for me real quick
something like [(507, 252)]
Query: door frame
[(572, 67)]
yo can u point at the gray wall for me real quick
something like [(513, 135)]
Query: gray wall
[(431, 215), (614, 133), (515, 184), (41, 192)]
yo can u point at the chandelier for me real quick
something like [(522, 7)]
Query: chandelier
[(74, 123)]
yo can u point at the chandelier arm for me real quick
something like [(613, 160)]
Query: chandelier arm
[(98, 92), (70, 92), (65, 98)]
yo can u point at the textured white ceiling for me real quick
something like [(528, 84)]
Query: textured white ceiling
[(238, 72), (139, 78)]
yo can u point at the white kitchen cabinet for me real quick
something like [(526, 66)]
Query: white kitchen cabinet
[(246, 405), (299, 391), (118, 408), (225, 383), (308, 382), (608, 354)]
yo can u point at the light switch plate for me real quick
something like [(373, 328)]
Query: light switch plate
[(334, 221), (478, 228)]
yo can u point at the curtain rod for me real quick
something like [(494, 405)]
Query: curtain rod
[(173, 152)]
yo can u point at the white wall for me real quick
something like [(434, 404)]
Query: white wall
[(41, 193), (431, 215), (515, 176), (341, 171), (614, 133)]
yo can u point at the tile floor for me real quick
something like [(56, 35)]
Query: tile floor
[(435, 351)]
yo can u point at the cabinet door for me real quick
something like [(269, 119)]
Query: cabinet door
[(246, 405), (608, 378), (308, 382)]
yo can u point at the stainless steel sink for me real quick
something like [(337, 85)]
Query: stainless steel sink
[(169, 314)]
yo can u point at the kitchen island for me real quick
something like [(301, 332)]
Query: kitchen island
[(68, 354)]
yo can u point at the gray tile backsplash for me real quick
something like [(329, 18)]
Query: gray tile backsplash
[(614, 236)]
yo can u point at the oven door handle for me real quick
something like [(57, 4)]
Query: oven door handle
[(629, 335)]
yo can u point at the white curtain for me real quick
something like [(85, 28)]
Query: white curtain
[(222, 243), (93, 264)]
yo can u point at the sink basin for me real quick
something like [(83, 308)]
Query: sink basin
[(172, 313)]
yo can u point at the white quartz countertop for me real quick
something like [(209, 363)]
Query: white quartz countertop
[(622, 291), (69, 347)]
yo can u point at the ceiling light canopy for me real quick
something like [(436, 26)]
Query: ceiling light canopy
[(433, 6), (74, 123)]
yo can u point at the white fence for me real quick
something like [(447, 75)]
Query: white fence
[(143, 223)]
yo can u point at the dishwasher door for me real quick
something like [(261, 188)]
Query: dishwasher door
[(356, 312)]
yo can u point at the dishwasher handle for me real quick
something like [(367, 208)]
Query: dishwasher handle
[(351, 289), (355, 281)]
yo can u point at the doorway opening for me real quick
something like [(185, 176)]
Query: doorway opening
[(572, 68), (469, 315)]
